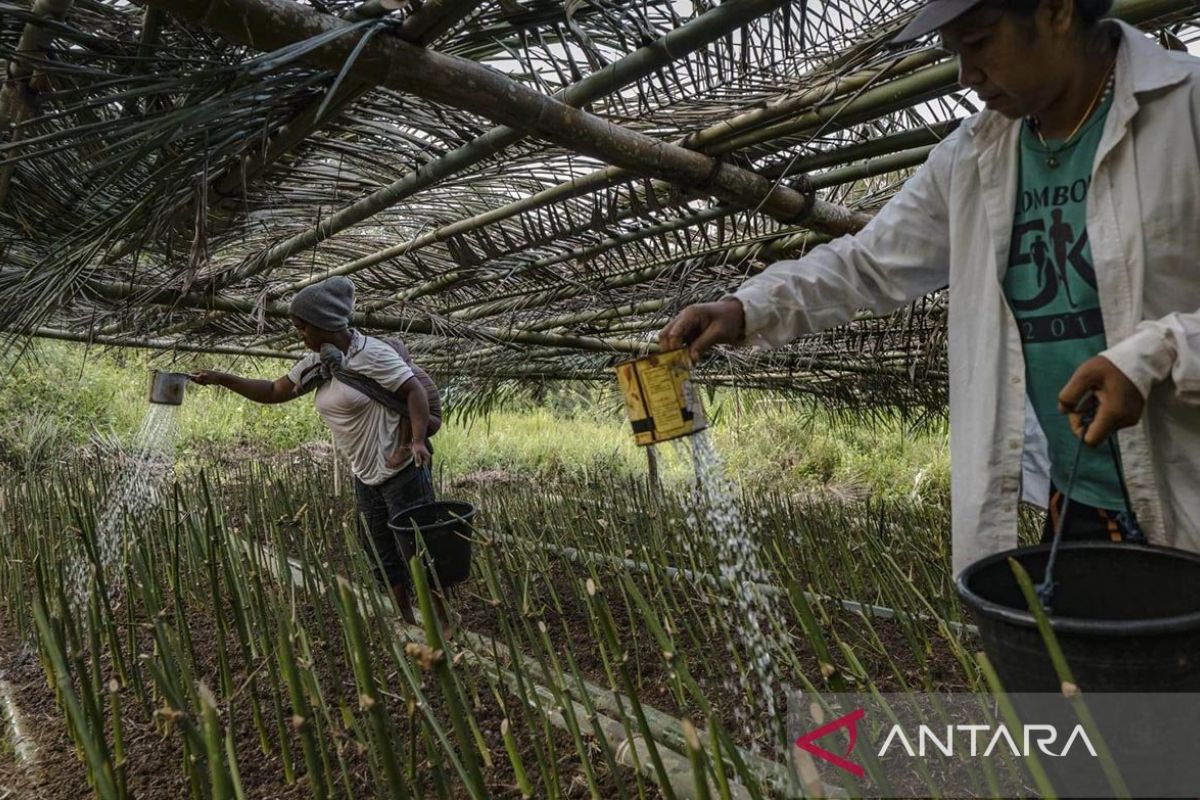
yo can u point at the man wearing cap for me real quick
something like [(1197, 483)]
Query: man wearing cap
[(1064, 219), (390, 475)]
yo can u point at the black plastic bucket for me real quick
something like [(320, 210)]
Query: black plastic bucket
[(1127, 617), (446, 529)]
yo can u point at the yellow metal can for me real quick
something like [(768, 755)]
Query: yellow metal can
[(659, 397)]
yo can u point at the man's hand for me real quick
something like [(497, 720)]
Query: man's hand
[(420, 454), (1120, 402), (208, 377), (703, 325)]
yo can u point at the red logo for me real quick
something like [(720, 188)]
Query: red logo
[(850, 722)]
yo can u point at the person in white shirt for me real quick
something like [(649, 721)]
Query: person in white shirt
[(1063, 219), (390, 469)]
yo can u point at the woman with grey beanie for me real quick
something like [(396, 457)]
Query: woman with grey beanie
[(390, 474)]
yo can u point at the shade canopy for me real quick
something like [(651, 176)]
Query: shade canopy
[(524, 189)]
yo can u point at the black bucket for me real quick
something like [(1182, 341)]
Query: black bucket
[(445, 527), (1127, 617)]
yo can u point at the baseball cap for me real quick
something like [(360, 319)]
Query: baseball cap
[(934, 15)]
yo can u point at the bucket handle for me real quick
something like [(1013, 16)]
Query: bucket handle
[(1086, 408)]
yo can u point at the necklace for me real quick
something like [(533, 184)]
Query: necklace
[(1102, 94)]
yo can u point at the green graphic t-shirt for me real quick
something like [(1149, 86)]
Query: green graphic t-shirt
[(1050, 285)]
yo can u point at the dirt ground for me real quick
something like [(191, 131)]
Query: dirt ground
[(154, 769)]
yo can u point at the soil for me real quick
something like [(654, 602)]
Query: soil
[(154, 753)]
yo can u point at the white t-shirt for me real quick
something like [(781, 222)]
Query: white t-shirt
[(365, 430)]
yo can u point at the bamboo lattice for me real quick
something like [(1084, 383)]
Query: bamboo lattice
[(169, 179)]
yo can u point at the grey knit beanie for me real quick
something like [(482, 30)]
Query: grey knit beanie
[(326, 305)]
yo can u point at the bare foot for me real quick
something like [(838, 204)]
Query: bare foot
[(404, 604)]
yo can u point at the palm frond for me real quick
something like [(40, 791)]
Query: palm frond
[(166, 185)]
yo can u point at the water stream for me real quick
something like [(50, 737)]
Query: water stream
[(147, 466), (749, 612)]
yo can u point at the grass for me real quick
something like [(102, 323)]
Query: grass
[(766, 447), (65, 396), (62, 396)]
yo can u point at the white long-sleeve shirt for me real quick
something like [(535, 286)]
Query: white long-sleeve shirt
[(951, 224)]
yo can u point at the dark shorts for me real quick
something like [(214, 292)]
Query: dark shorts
[(376, 505), (1086, 523)]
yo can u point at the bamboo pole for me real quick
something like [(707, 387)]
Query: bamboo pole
[(421, 28), (838, 88), (895, 160), (621, 321), (675, 45), (875, 147), (763, 249), (584, 317), (705, 140), (1162, 5), (156, 344), (915, 86), (1136, 11), (882, 146), (390, 322), (451, 356), (742, 379), (881, 166), (924, 84), (15, 98), (443, 355), (920, 80), (731, 253)]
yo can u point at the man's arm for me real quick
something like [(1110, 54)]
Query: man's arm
[(260, 391), (414, 396), (1121, 377), (902, 254)]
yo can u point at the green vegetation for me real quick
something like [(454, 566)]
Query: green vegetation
[(62, 397), (588, 625), (230, 673)]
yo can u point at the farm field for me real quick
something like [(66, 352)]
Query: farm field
[(237, 646), (241, 652), (275, 273), (65, 401)]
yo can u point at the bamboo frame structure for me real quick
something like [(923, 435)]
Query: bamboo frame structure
[(528, 196), (698, 33), (424, 26), (276, 24)]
